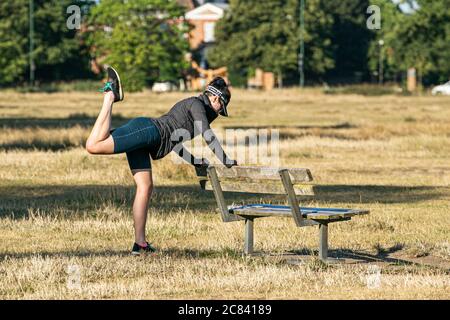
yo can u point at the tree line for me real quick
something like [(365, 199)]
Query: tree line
[(146, 39)]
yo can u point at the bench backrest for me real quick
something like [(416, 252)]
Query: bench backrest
[(268, 180), (265, 180)]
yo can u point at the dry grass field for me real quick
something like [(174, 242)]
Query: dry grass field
[(65, 216)]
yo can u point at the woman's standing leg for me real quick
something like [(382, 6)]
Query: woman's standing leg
[(144, 188), (140, 164)]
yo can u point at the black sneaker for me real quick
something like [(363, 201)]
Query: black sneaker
[(138, 249), (113, 84)]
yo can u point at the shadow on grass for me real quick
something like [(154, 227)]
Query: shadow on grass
[(300, 256), (380, 256), (75, 120), (80, 253), (378, 193), (176, 253), (86, 200), (79, 119), (73, 201), (329, 131), (40, 145), (344, 125), (348, 256)]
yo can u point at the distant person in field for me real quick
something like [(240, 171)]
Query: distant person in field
[(144, 137)]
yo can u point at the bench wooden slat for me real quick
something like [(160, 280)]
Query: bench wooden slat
[(255, 187), (297, 175), (307, 212), (267, 213)]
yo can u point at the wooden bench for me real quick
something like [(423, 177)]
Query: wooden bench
[(292, 182)]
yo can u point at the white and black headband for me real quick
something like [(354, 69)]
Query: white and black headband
[(214, 91)]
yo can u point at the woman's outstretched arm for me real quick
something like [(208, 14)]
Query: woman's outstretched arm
[(202, 125)]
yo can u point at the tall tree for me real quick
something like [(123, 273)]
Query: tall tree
[(145, 39), (392, 21), (13, 41), (350, 39), (57, 51), (266, 34), (423, 41), (419, 38)]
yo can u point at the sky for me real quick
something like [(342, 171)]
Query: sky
[(405, 7)]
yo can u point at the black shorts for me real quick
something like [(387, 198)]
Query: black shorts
[(138, 139)]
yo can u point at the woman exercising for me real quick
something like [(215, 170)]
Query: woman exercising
[(143, 137)]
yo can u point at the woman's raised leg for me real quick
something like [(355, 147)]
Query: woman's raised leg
[(100, 140)]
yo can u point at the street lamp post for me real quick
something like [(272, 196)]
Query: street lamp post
[(380, 67), (32, 66), (301, 56)]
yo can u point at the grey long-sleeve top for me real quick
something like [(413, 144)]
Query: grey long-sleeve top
[(187, 119)]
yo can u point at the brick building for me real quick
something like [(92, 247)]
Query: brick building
[(203, 16)]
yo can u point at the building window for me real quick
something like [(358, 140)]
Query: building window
[(208, 31)]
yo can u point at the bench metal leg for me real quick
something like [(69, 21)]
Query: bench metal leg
[(248, 244), (323, 242)]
